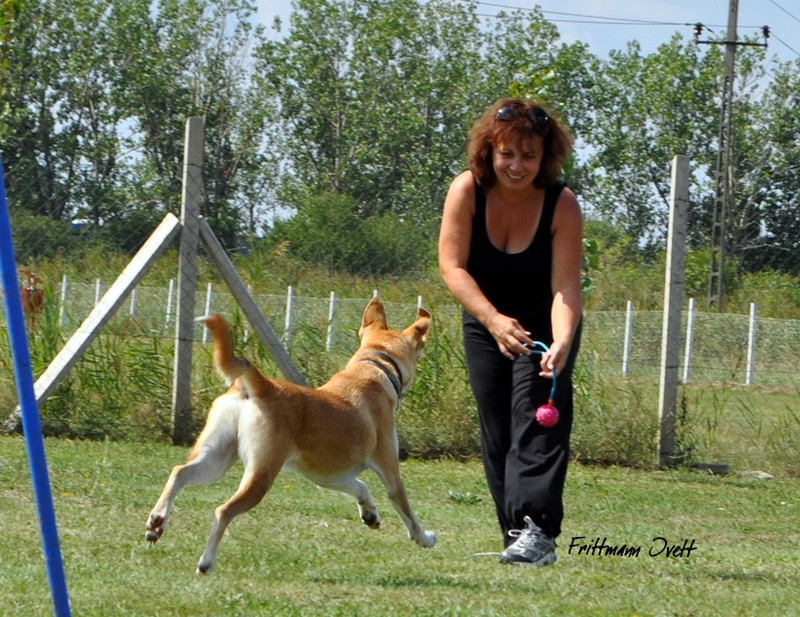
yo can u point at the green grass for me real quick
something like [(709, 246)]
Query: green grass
[(303, 551)]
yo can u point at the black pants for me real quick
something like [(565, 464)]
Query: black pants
[(525, 463)]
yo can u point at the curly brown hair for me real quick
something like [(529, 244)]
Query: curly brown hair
[(511, 118)]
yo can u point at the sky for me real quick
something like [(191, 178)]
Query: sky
[(609, 24)]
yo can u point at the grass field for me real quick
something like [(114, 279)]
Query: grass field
[(304, 552)]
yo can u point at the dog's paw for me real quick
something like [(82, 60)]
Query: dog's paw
[(205, 565), (204, 568), (426, 539), (155, 528), (371, 519)]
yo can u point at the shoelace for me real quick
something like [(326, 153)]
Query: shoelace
[(526, 538)]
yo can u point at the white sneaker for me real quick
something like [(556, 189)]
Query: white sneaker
[(532, 547)]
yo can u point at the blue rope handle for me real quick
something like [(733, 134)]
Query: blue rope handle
[(544, 349)]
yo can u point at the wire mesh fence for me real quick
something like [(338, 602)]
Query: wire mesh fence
[(717, 351), (739, 371), (724, 347)]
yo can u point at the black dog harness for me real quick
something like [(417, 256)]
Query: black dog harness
[(395, 378)]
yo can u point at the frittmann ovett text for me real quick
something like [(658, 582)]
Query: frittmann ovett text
[(659, 547)]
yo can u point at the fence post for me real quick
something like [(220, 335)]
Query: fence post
[(170, 298), (207, 311), (687, 354), (751, 345), (134, 298), (187, 279), (287, 324), (626, 346), (673, 299), (63, 306), (331, 315)]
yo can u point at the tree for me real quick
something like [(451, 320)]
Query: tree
[(328, 231), (768, 228), (191, 58), (375, 101), (371, 102), (58, 124), (646, 110), (94, 102)]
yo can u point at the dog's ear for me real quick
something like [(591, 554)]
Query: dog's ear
[(374, 315), (419, 329)]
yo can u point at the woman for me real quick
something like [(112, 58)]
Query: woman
[(510, 252)]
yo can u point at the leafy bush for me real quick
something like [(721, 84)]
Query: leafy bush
[(329, 231), (777, 294), (40, 237)]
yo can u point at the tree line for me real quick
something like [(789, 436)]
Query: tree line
[(339, 131)]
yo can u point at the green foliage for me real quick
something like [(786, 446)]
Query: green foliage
[(647, 109), (355, 120), (94, 100), (368, 97), (331, 231), (617, 278), (438, 416), (90, 404), (41, 240), (697, 267), (121, 389), (777, 294), (591, 262), (372, 101), (39, 237)]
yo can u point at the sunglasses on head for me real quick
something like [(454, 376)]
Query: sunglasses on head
[(536, 115)]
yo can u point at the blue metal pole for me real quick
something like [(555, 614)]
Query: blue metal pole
[(31, 425)]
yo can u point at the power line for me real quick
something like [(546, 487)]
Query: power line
[(785, 11), (780, 40), (593, 19), (614, 20), (785, 44), (606, 20)]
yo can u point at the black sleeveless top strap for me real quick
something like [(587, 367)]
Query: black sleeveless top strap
[(517, 284)]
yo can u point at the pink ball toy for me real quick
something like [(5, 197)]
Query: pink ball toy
[(547, 415)]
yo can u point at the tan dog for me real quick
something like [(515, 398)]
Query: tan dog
[(329, 434)]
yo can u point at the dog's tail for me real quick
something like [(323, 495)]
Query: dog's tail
[(234, 367)]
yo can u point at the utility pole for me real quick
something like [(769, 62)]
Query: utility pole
[(724, 176), (724, 173)]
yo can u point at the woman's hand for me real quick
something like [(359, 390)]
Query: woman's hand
[(554, 358), (511, 337)]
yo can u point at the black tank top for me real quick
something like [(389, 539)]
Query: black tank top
[(517, 284)]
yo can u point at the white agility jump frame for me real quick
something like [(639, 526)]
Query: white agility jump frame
[(192, 227)]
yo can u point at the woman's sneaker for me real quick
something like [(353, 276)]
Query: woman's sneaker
[(532, 547)]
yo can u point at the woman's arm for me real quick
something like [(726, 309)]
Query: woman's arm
[(566, 310)]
